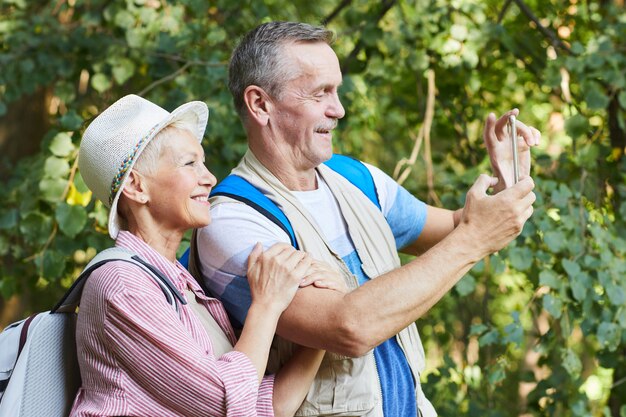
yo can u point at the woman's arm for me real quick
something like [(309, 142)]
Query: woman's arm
[(294, 379), (274, 277)]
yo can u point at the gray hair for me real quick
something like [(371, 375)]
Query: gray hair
[(258, 60)]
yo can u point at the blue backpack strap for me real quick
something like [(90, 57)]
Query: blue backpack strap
[(357, 173), (239, 189)]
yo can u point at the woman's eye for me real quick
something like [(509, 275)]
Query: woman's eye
[(190, 163)]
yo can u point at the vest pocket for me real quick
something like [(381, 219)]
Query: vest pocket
[(343, 387)]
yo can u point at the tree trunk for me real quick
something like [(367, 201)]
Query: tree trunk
[(22, 128)]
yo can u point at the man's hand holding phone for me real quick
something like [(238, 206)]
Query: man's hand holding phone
[(508, 143)]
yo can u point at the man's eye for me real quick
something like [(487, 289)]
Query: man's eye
[(191, 163)]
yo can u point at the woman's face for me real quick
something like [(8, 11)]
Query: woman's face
[(179, 187)]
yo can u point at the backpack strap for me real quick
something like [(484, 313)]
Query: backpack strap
[(357, 173), (24, 334), (71, 299), (239, 189)]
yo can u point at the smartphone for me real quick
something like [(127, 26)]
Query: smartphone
[(513, 136)]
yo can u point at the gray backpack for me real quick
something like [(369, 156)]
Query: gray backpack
[(39, 374)]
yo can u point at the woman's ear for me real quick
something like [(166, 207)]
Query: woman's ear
[(258, 104), (136, 188)]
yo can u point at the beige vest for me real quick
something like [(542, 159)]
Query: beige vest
[(343, 386)]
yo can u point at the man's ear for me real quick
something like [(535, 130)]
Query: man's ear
[(136, 188), (258, 104)]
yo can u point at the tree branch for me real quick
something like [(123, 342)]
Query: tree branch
[(423, 135), (166, 78), (344, 3), (386, 6), (554, 40), (505, 7)]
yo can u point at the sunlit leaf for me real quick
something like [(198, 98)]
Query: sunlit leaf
[(62, 145), (56, 167)]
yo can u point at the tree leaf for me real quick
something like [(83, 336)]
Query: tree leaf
[(477, 329), (550, 279), (553, 305), (595, 97), (8, 219), (71, 121), (609, 335), (52, 189), (521, 258), (35, 227), (572, 268), (581, 285), (466, 285), (577, 126), (489, 338), (71, 219), (53, 264), (79, 183), (496, 374), (555, 240), (56, 167), (571, 362), (100, 82), (62, 144), (616, 294), (123, 69)]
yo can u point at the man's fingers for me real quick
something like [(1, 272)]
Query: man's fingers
[(522, 189), (500, 128), (302, 266), (327, 284), (483, 183), (530, 134)]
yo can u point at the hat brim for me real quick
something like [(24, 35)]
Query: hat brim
[(192, 116)]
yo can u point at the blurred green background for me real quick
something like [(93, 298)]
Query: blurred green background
[(538, 329)]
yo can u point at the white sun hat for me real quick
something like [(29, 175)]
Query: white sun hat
[(114, 140)]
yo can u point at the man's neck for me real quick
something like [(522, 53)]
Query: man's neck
[(283, 168)]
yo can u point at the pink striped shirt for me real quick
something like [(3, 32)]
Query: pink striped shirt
[(139, 358)]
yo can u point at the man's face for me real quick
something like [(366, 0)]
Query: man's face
[(308, 108)]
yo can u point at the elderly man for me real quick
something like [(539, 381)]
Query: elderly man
[(284, 79)]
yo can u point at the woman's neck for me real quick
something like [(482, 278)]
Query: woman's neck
[(165, 243)]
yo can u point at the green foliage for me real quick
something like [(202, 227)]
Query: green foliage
[(537, 329)]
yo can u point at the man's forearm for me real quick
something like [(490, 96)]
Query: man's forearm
[(351, 324), (384, 306)]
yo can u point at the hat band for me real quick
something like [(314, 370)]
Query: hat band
[(126, 164)]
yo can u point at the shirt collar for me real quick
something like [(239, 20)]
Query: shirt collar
[(174, 272)]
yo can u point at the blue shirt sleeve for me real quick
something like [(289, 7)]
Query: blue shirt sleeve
[(406, 218), (405, 214)]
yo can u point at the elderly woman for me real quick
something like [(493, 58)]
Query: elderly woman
[(137, 355)]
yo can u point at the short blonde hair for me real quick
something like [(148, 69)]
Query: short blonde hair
[(149, 159)]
